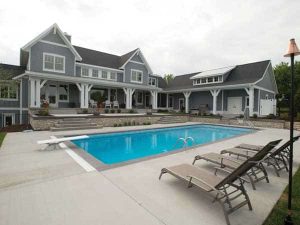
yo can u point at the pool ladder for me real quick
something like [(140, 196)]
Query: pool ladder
[(185, 141)]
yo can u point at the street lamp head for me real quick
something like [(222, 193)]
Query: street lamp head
[(292, 49)]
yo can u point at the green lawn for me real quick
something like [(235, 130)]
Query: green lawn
[(280, 209), (2, 136)]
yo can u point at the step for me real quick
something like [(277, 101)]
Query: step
[(75, 119), (74, 128), (75, 125), (74, 122)]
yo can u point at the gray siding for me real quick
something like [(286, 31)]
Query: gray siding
[(198, 98), (120, 77), (136, 66), (36, 59), (54, 38), (268, 80), (137, 58)]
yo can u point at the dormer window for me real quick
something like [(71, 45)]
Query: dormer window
[(53, 63), (211, 76)]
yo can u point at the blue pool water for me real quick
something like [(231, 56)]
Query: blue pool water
[(123, 146)]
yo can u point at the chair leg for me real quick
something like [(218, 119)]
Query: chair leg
[(163, 171)]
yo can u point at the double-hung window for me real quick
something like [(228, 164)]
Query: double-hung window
[(95, 73), (54, 63), (152, 81), (113, 75), (8, 91), (84, 72), (136, 76), (104, 74)]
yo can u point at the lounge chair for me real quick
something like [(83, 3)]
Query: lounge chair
[(226, 189), (257, 172), (278, 157), (54, 143)]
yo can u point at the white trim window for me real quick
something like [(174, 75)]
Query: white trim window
[(104, 74), (53, 63), (95, 73), (63, 93), (208, 80), (84, 72), (136, 76), (113, 76), (152, 81), (8, 91)]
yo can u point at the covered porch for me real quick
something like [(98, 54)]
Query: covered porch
[(77, 92), (233, 100)]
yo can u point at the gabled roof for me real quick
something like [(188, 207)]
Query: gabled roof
[(55, 28), (126, 57), (241, 74), (7, 72), (98, 58)]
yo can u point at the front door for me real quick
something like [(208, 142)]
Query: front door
[(234, 105), (52, 95)]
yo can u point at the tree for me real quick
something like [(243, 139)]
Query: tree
[(282, 73), (168, 78)]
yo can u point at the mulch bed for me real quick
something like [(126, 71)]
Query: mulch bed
[(16, 128)]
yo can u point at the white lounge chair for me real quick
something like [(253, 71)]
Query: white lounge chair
[(54, 143), (107, 104), (93, 104), (116, 104)]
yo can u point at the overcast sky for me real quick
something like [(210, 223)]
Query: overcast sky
[(175, 36)]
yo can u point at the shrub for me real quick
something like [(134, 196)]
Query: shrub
[(120, 125), (149, 123), (125, 123), (162, 110), (43, 112), (115, 124), (144, 123), (106, 110), (133, 123), (254, 116), (131, 111), (241, 116), (118, 110), (112, 111), (149, 113), (271, 116), (84, 111)]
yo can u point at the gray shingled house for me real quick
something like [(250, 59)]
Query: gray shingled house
[(52, 69)]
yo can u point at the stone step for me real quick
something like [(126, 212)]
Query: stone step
[(74, 128), (74, 124), (75, 119), (169, 119)]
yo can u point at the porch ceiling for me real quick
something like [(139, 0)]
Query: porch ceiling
[(72, 79)]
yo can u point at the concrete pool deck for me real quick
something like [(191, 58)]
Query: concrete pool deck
[(49, 187)]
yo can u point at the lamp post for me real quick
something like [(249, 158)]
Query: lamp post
[(292, 52)]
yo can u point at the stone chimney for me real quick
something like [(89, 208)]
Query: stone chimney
[(68, 36)]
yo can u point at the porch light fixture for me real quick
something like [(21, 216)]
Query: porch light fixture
[(292, 52)]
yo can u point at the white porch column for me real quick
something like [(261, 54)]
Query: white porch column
[(153, 99), (215, 94), (35, 92), (84, 94), (187, 96), (167, 101), (250, 92), (128, 92)]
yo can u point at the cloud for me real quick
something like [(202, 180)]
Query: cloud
[(175, 36)]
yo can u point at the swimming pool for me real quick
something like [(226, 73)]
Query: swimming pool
[(111, 148)]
